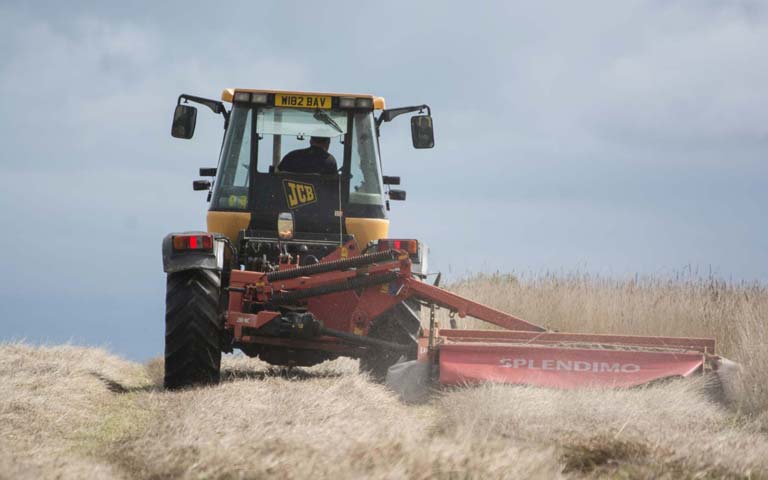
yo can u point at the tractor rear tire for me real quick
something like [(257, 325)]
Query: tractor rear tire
[(193, 329), (398, 325)]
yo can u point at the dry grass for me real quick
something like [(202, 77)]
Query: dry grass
[(683, 305), (55, 409), (70, 412), (686, 305)]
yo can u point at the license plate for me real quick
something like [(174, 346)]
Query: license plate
[(302, 101)]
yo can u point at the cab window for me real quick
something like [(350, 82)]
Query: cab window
[(365, 185), (283, 130), (231, 189)]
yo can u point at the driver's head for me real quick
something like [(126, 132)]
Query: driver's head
[(322, 142)]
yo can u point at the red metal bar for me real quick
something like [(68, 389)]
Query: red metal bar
[(328, 344), (320, 279), (465, 307), (260, 290), (703, 345)]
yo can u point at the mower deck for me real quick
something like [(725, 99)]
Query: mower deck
[(521, 353)]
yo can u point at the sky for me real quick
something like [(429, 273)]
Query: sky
[(603, 137)]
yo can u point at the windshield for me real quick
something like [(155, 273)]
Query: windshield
[(318, 136), (301, 123)]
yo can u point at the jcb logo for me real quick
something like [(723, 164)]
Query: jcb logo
[(299, 194)]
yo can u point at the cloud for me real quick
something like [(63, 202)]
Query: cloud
[(100, 91), (623, 136)]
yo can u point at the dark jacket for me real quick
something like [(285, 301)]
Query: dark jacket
[(308, 160)]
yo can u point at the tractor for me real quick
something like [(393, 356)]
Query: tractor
[(263, 219), (296, 266)]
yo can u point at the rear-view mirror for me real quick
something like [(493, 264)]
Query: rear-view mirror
[(397, 194), (421, 131), (184, 119), (201, 185)]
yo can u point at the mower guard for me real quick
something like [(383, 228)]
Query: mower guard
[(564, 360)]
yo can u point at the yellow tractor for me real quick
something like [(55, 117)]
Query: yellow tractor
[(264, 217), (296, 266)]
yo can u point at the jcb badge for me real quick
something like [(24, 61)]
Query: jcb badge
[(298, 194)]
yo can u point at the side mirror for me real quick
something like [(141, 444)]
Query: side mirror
[(390, 180), (184, 119), (397, 194), (421, 131), (201, 185), (207, 172)]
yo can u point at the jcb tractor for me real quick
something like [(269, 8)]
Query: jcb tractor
[(279, 223), (296, 266)]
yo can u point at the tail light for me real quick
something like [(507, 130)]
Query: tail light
[(201, 243), (410, 246)]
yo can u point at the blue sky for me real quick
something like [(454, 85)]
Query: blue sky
[(609, 137)]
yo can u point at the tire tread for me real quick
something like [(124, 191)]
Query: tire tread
[(192, 329)]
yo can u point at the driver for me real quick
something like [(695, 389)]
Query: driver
[(314, 159)]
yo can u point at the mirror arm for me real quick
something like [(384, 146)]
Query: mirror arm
[(389, 115), (214, 105)]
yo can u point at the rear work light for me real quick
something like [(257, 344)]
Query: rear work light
[(200, 243), (346, 102), (409, 246), (353, 102), (259, 98), (364, 103)]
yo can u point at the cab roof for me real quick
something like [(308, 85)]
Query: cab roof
[(229, 93)]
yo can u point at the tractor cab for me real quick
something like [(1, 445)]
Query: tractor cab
[(338, 194)]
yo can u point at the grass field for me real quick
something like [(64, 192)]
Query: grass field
[(75, 412)]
